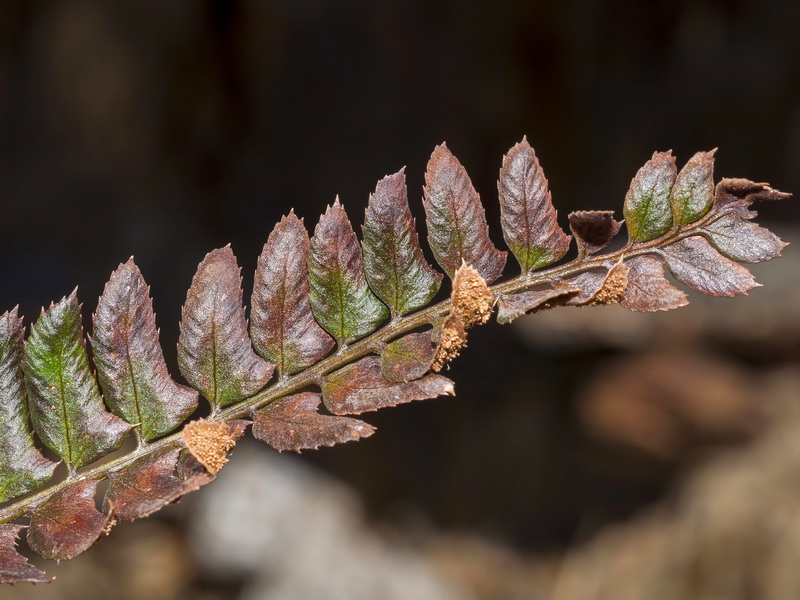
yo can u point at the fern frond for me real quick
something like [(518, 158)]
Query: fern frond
[(351, 319)]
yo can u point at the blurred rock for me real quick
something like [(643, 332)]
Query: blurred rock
[(731, 533), (490, 571), (146, 559), (670, 404), (296, 534)]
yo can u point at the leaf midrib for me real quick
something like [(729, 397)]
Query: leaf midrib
[(64, 417), (140, 433)]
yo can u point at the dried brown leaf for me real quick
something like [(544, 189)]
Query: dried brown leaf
[(15, 568), (360, 387), (588, 284), (744, 192), (68, 523), (511, 306), (648, 290), (293, 423), (149, 484), (593, 229), (598, 287)]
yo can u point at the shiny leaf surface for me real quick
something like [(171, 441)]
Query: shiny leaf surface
[(67, 524), (693, 192), (340, 297), (396, 270), (292, 423), (149, 484), (360, 387), (694, 262), (648, 289), (214, 352), (647, 208), (742, 240), (130, 362), (283, 328), (22, 466), (66, 408), (457, 228), (530, 227)]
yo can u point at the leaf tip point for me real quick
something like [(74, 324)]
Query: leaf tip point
[(441, 150), (658, 155), (522, 145)]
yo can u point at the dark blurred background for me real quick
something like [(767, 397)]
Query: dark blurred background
[(165, 129)]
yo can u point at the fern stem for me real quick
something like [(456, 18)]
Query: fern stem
[(347, 354)]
